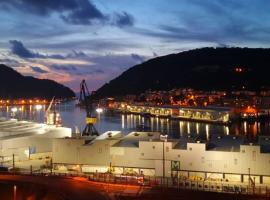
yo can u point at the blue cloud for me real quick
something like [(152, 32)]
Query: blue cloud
[(123, 19), (39, 70)]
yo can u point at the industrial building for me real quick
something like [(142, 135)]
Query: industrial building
[(204, 114), (222, 158), (24, 139)]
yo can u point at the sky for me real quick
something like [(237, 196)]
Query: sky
[(97, 40)]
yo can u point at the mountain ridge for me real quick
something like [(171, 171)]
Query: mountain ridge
[(15, 85), (205, 69)]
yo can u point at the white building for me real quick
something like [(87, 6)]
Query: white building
[(22, 138), (222, 157)]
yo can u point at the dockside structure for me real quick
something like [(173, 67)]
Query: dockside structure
[(207, 114), (227, 158)]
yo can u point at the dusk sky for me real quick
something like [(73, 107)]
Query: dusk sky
[(71, 40)]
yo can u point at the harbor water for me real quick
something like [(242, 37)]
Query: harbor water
[(73, 116)]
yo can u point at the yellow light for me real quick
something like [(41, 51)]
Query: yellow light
[(14, 109), (38, 107), (99, 110)]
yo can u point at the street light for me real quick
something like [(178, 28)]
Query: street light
[(38, 107), (163, 138), (13, 111), (99, 110)]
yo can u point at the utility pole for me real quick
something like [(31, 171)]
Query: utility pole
[(248, 177), (51, 165), (163, 160), (163, 138), (13, 161)]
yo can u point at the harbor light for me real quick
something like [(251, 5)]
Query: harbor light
[(38, 107), (14, 109), (99, 110)]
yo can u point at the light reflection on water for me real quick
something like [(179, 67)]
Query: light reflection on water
[(73, 116)]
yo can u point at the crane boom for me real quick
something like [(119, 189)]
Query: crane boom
[(86, 100)]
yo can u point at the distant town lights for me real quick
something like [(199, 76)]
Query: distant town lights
[(99, 110), (38, 107), (14, 109)]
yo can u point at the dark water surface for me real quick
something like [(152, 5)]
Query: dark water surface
[(74, 116)]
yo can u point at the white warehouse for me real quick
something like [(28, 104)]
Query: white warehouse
[(222, 157), (23, 138)]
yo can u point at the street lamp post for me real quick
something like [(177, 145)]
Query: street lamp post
[(163, 138)]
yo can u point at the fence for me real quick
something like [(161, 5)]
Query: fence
[(167, 182)]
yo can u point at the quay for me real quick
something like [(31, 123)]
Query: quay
[(219, 115)]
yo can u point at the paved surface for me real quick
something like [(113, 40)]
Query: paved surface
[(50, 187), (77, 188)]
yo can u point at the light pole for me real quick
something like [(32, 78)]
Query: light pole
[(13, 112), (38, 108), (163, 138), (249, 177)]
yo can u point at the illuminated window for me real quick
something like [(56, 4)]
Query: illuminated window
[(190, 148), (178, 155), (153, 147)]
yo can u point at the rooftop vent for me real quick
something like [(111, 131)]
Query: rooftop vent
[(198, 142), (250, 143)]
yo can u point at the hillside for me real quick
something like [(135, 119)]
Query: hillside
[(15, 85), (204, 69)]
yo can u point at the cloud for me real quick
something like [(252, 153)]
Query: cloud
[(137, 57), (38, 70), (17, 48), (123, 19), (71, 11), (86, 13), (64, 67), (77, 12)]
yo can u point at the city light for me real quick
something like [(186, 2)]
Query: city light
[(38, 107), (14, 109), (99, 110)]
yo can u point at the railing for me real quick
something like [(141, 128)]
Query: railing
[(167, 182)]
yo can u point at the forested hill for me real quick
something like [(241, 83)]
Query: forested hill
[(15, 85), (204, 69)]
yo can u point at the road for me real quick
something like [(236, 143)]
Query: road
[(78, 188), (62, 188)]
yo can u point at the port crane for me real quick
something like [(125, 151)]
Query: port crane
[(87, 101)]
